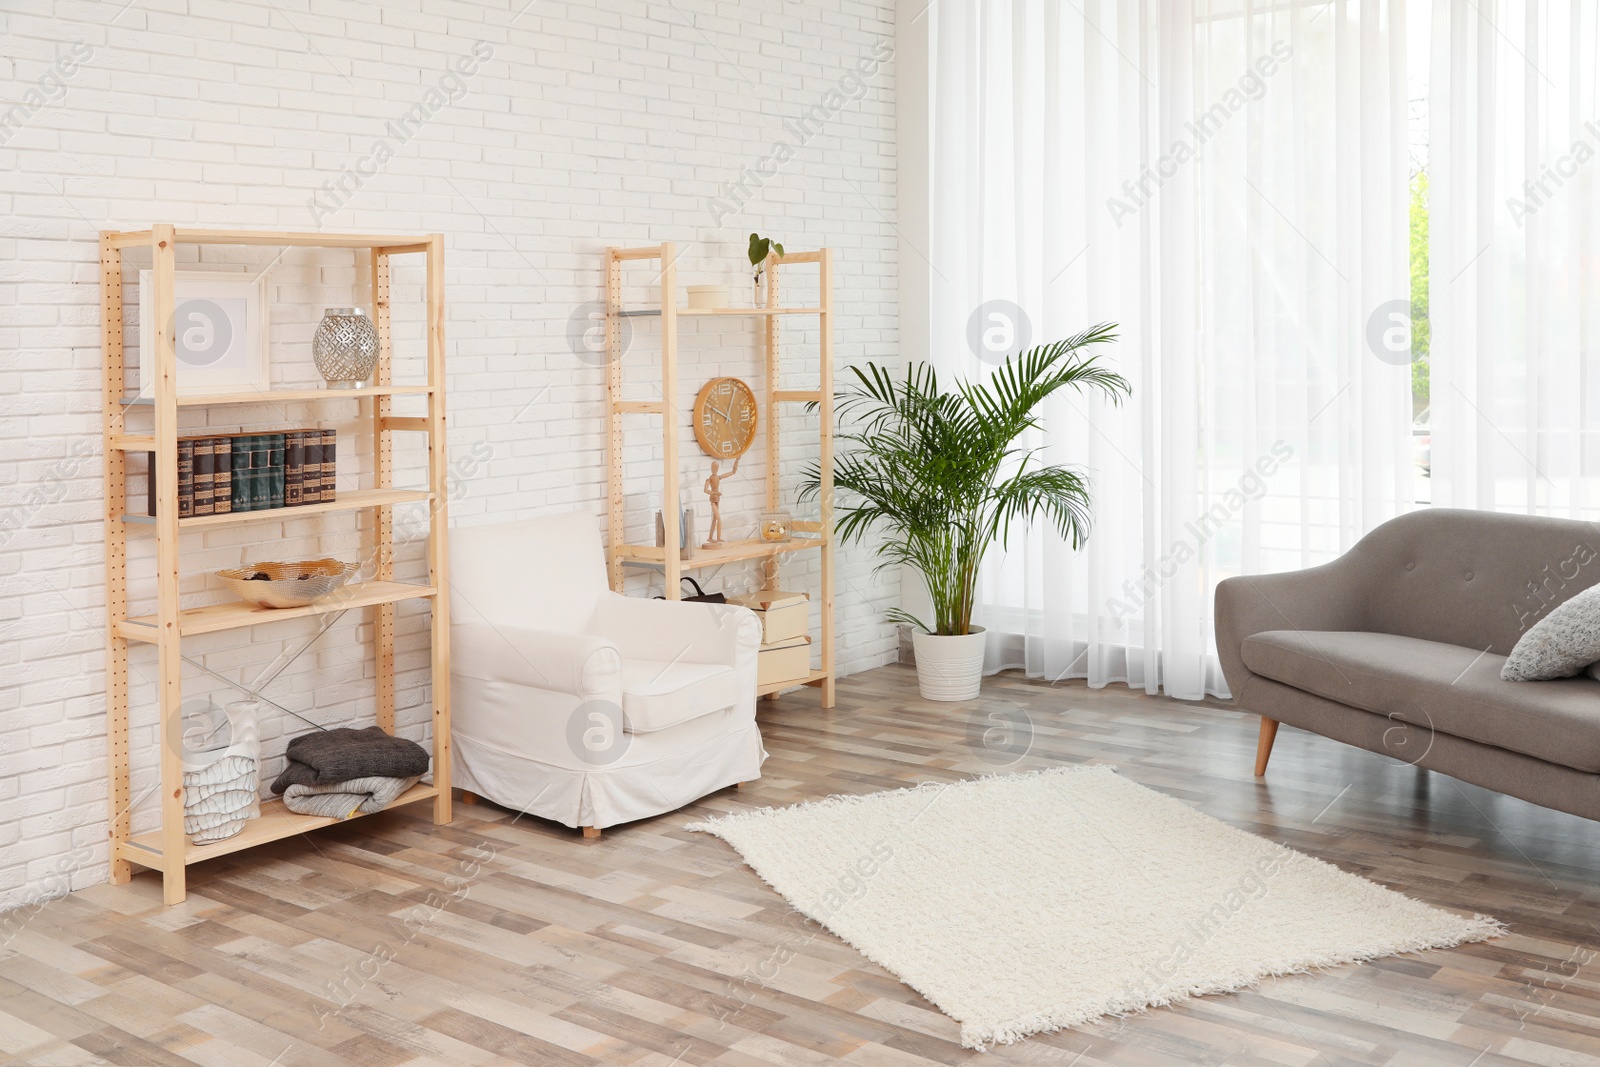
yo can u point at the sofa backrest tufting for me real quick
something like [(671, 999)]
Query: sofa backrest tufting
[(1478, 579)]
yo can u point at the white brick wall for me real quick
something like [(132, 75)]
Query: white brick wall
[(532, 141)]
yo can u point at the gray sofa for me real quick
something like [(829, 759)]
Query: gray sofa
[(1396, 647)]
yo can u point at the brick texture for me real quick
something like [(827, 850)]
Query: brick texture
[(532, 137)]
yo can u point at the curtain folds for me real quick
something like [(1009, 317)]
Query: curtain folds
[(1514, 235), (1228, 183)]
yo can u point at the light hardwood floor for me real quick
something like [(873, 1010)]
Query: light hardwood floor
[(501, 939)]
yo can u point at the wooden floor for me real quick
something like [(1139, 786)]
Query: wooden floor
[(502, 939)]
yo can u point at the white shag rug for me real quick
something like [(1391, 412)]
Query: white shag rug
[(1032, 902)]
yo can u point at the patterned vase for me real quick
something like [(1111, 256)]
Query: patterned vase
[(345, 348), (221, 783)]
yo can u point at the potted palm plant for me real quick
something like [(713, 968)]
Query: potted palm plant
[(939, 476)]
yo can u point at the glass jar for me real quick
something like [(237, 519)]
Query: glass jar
[(775, 526)]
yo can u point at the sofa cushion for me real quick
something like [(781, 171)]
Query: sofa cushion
[(1561, 644), (657, 695), (1437, 686)]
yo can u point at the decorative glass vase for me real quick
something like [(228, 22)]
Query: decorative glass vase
[(345, 348), (221, 777), (776, 526)]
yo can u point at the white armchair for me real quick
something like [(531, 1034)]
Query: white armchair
[(584, 706)]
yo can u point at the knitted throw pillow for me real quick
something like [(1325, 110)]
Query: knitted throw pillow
[(1561, 644)]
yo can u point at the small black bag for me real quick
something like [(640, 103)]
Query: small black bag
[(700, 595)]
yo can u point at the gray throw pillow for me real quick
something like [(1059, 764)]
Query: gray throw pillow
[(1561, 644)]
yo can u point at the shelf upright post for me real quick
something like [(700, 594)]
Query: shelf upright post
[(825, 468), (169, 657), (774, 339), (119, 815), (614, 438), (671, 513), (438, 524), (383, 478)]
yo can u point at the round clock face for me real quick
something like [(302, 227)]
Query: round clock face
[(725, 417)]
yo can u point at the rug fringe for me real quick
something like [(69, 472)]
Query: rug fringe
[(984, 1037), (837, 800)]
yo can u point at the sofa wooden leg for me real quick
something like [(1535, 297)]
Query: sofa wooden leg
[(468, 797), (591, 831), (738, 785), (1269, 734)]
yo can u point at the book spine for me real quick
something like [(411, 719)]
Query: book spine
[(150, 484), (294, 459), (260, 464), (275, 463), (311, 466), (205, 470), (222, 474), (185, 478), (240, 447), (329, 443)]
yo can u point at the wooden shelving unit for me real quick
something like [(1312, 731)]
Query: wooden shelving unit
[(817, 536), (167, 849)]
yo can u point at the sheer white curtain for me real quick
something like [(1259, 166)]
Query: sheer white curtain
[(1514, 235), (1227, 182)]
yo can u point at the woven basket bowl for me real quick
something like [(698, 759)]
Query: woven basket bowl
[(288, 585)]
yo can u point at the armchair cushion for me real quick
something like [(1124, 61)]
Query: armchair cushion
[(542, 574), (552, 660), (657, 696), (675, 631)]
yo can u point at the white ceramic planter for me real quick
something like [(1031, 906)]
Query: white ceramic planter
[(949, 668)]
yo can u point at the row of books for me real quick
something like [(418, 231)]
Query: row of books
[(251, 472)]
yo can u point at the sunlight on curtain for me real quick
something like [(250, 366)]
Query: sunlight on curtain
[(1228, 183), (1514, 236)]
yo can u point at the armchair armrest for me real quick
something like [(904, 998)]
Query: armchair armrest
[(579, 664), (674, 631), (1329, 597)]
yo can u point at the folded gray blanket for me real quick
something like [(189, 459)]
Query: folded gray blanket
[(341, 800), (326, 757)]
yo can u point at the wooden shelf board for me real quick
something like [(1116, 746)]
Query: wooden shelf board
[(347, 500), (698, 312), (236, 613), (814, 678), (186, 236), (276, 823), (749, 311), (728, 552), (284, 396)]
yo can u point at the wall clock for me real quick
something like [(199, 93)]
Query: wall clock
[(725, 417)]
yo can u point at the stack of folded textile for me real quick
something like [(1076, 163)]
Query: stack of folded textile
[(340, 773)]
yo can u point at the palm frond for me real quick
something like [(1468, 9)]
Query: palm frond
[(938, 473)]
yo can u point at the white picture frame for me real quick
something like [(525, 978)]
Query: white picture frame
[(220, 333)]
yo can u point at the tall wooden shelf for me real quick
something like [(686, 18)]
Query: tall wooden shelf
[(816, 536), (167, 848)]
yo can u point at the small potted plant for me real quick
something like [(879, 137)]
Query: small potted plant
[(938, 476), (760, 248)]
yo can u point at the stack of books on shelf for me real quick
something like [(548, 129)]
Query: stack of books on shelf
[(785, 654), (251, 472)]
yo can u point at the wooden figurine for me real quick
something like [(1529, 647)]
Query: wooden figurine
[(713, 488)]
